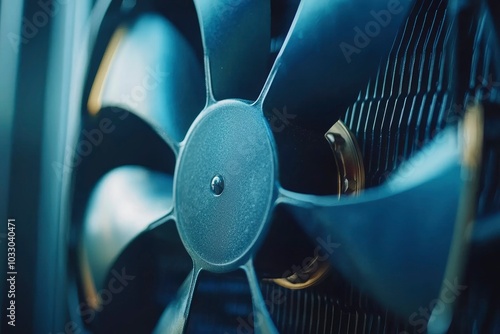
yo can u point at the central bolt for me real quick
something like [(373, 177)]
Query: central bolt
[(217, 185)]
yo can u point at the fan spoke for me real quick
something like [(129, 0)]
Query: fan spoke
[(174, 318), (394, 240), (323, 64), (149, 69), (123, 206), (236, 38), (262, 319)]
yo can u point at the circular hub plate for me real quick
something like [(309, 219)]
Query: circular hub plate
[(224, 184)]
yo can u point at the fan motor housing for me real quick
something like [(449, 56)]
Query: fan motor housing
[(225, 185)]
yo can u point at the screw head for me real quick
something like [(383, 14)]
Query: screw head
[(217, 185)]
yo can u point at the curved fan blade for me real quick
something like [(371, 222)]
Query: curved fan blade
[(174, 318), (394, 241), (124, 203), (332, 49), (150, 70), (148, 272), (236, 38)]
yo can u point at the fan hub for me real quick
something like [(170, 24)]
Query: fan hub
[(225, 185)]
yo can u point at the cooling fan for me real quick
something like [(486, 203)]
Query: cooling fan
[(204, 168)]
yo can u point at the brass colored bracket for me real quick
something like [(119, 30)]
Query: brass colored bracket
[(349, 160)]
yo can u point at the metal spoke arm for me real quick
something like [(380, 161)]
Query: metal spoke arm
[(263, 324), (174, 318), (236, 55)]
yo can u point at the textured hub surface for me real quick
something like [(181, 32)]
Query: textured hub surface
[(224, 184)]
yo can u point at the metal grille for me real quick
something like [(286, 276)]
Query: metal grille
[(406, 104)]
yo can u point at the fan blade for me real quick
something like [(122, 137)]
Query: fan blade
[(123, 204), (151, 70), (236, 39), (155, 264), (394, 240), (174, 318), (263, 323), (329, 54)]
